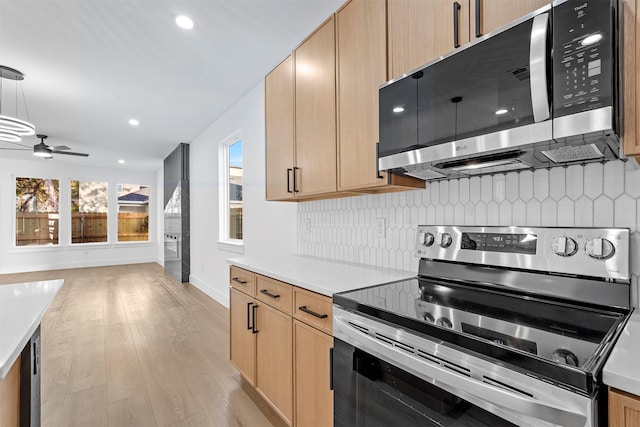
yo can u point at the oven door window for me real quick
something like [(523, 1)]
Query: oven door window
[(371, 392)]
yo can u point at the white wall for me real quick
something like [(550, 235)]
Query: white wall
[(22, 259), (269, 227)]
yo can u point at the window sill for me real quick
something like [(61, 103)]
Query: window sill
[(232, 246), (135, 243)]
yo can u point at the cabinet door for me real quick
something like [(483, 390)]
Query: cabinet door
[(243, 340), (274, 359), (10, 396), (487, 15), (279, 122), (420, 31), (314, 399), (315, 94), (631, 128), (624, 409), (362, 69)]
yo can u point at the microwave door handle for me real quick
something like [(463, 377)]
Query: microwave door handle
[(538, 68)]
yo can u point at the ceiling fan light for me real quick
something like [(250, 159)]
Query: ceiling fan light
[(18, 126), (9, 136), (41, 150)]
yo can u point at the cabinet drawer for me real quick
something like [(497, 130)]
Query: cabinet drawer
[(274, 293), (243, 280), (313, 309)]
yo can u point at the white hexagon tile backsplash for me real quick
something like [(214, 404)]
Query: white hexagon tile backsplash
[(594, 195)]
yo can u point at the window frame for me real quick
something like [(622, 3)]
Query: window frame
[(14, 223), (70, 219), (224, 242)]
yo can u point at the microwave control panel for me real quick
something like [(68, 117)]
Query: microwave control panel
[(583, 40)]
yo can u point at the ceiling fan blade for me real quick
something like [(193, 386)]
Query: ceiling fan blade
[(59, 148), (15, 143), (15, 149), (72, 153)]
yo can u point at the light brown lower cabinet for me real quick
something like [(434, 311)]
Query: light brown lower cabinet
[(243, 340), (624, 409), (280, 342), (314, 398), (274, 359), (10, 397)]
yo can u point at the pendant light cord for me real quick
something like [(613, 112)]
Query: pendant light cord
[(26, 108)]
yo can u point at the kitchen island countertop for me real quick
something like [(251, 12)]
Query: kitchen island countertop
[(22, 306), (622, 370), (320, 275)]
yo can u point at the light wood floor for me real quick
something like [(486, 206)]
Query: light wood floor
[(130, 346)]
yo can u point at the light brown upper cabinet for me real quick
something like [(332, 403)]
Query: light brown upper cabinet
[(420, 31), (362, 69), (280, 137), (315, 113), (488, 15), (631, 131)]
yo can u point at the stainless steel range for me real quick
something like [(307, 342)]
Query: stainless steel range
[(502, 326)]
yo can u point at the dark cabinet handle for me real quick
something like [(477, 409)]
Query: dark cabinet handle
[(269, 294), (331, 368), (238, 280), (295, 180), (478, 32), (313, 313), (289, 170), (249, 325), (253, 325), (378, 175), (456, 18), (36, 358)]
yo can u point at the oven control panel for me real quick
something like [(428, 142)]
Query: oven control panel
[(595, 252)]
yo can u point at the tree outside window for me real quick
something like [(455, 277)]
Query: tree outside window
[(89, 212), (37, 211)]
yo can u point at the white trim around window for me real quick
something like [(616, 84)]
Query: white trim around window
[(224, 242)]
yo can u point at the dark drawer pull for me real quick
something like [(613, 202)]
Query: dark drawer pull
[(237, 280), (313, 313), (269, 294)]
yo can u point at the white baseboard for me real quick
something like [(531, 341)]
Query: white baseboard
[(77, 264), (209, 290)]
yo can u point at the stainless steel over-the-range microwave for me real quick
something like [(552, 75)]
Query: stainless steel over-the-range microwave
[(541, 91)]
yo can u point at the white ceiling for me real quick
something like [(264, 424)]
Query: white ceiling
[(91, 65)]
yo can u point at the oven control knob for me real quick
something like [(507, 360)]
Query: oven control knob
[(565, 357), (600, 248), (426, 239), (444, 240), (564, 246), (428, 317), (444, 322)]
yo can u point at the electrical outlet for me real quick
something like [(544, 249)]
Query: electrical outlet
[(380, 228), (307, 225)]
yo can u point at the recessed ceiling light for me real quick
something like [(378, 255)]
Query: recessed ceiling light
[(502, 111), (122, 162), (134, 122), (398, 109), (593, 38), (184, 22)]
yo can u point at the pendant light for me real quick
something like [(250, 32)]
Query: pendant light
[(12, 129)]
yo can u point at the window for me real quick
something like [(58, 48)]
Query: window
[(37, 211), (231, 178), (133, 212), (89, 211)]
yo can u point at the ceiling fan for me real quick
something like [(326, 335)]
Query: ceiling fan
[(43, 150)]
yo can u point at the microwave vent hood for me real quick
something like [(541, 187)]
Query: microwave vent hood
[(542, 91)]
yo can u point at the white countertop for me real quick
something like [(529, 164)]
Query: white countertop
[(320, 275), (22, 306), (622, 370)]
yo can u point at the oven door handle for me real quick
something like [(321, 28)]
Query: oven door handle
[(457, 384)]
